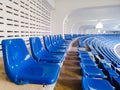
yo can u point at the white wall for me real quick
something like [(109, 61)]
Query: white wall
[(65, 7), (24, 19), (51, 3)]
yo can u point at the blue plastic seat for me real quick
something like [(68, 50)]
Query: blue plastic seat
[(82, 52), (61, 41), (68, 36), (40, 54), (88, 66), (50, 48), (116, 83), (81, 41), (83, 66), (93, 72), (74, 35), (87, 61), (111, 74), (21, 68), (90, 46), (55, 44), (95, 84), (85, 57), (105, 67)]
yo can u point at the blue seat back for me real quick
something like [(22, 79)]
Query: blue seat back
[(74, 36), (59, 39), (47, 42), (36, 47), (52, 39), (68, 36), (15, 53)]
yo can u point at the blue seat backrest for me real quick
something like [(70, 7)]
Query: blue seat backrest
[(75, 36), (47, 42), (60, 38), (57, 38), (15, 53), (68, 36), (36, 46), (52, 38)]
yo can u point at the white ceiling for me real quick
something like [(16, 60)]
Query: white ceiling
[(89, 17)]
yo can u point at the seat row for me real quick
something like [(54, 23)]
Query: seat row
[(70, 37), (92, 74), (42, 67), (103, 48), (103, 45)]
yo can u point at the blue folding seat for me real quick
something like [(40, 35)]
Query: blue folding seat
[(90, 45), (116, 83), (81, 41), (85, 57), (21, 68), (54, 43), (52, 49), (40, 54), (88, 66), (82, 52), (107, 60), (87, 62), (68, 36), (61, 41), (105, 67), (111, 74), (74, 36), (83, 66), (95, 84), (93, 72)]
